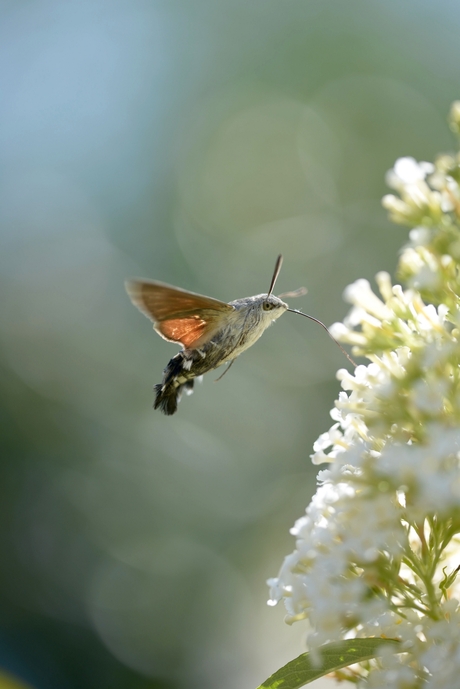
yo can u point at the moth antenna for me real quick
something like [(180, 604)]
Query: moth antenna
[(296, 293), (328, 332), (276, 272)]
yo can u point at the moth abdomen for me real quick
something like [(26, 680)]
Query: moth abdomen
[(176, 379), (166, 399)]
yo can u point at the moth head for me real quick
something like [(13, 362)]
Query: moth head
[(271, 306)]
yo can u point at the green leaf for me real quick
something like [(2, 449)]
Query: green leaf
[(334, 656)]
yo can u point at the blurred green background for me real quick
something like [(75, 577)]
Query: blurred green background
[(189, 141)]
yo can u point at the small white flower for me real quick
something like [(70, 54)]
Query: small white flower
[(342, 332), (383, 281), (420, 236), (407, 171), (361, 295)]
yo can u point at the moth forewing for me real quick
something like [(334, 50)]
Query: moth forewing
[(178, 315), (160, 301)]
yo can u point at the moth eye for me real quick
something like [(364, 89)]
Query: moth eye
[(267, 306)]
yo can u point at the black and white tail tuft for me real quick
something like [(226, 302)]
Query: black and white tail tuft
[(169, 391)]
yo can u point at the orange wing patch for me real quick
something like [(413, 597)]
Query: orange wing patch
[(190, 332), (178, 315)]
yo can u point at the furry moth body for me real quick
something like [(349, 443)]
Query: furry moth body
[(210, 331)]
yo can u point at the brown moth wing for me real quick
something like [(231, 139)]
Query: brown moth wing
[(191, 332), (178, 315)]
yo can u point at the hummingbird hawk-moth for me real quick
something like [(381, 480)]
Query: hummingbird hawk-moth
[(210, 331)]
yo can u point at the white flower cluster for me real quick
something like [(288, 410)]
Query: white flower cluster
[(344, 530), (377, 553), (412, 381)]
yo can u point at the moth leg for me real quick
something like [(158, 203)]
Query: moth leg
[(223, 374)]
